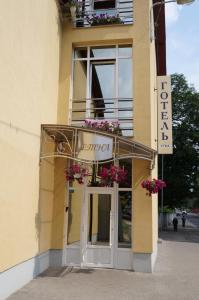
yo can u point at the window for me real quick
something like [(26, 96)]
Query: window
[(103, 4), (102, 85)]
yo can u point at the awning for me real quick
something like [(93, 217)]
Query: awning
[(88, 145)]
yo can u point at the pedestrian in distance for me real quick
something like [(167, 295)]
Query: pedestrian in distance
[(183, 220), (175, 224)]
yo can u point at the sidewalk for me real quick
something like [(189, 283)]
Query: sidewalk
[(175, 277)]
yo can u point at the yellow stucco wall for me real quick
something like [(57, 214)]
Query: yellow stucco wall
[(58, 225), (29, 73), (144, 234)]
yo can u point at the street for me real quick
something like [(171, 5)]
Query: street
[(192, 221)]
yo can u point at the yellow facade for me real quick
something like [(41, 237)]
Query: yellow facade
[(37, 77), (29, 74), (145, 103)]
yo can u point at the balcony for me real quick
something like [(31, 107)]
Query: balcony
[(110, 109), (87, 13)]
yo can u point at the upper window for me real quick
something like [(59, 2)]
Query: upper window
[(102, 85), (103, 4)]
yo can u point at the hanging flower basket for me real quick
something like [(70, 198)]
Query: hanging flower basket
[(153, 186), (111, 175), (76, 172)]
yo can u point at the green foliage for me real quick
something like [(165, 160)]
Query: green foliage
[(166, 209), (181, 170)]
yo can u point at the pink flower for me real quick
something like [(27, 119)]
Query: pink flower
[(153, 186), (76, 172)]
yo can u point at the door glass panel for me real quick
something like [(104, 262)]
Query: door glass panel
[(74, 216), (99, 208), (124, 219)]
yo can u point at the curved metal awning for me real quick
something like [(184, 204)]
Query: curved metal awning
[(88, 145)]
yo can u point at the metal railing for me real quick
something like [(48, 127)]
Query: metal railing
[(110, 109), (87, 16)]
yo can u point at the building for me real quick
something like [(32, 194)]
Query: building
[(58, 68)]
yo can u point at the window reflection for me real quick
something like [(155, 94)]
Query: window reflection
[(125, 50), (74, 217), (103, 89), (99, 52), (99, 207), (127, 128), (127, 165), (124, 219), (79, 90), (79, 79), (125, 78)]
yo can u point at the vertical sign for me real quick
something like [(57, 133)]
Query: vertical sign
[(165, 142)]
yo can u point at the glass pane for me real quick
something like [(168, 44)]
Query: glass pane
[(127, 128), (81, 52), (127, 165), (125, 78), (99, 208), (103, 90), (105, 52), (74, 217), (124, 219), (79, 79), (125, 50), (104, 4)]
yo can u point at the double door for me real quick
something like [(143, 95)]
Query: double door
[(98, 227)]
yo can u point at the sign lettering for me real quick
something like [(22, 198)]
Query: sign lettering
[(165, 144), (94, 147)]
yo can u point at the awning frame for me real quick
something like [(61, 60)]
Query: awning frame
[(64, 139)]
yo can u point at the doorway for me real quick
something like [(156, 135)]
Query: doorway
[(98, 213), (99, 222)]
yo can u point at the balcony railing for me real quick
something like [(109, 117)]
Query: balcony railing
[(110, 109), (86, 14)]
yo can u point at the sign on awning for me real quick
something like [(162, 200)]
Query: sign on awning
[(165, 139)]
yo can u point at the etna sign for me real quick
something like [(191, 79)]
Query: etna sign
[(94, 147), (165, 142)]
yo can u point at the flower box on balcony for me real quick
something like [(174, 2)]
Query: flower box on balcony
[(103, 19)]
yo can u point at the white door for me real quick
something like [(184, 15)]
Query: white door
[(98, 228)]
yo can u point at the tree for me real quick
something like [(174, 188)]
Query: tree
[(181, 170)]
